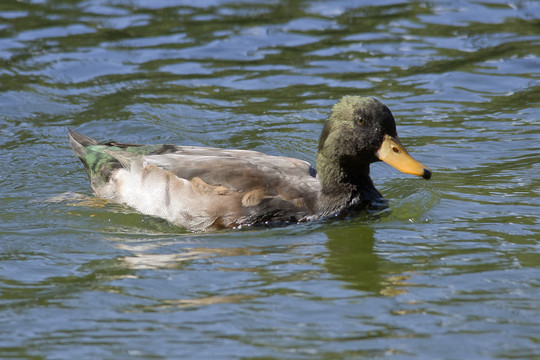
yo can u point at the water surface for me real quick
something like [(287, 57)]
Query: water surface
[(452, 272)]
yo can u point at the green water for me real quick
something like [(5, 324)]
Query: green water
[(451, 272)]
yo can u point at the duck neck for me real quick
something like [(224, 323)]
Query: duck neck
[(346, 185)]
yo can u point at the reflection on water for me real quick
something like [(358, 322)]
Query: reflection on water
[(351, 258), (451, 269), (140, 259)]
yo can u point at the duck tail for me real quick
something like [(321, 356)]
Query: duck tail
[(79, 143), (97, 163)]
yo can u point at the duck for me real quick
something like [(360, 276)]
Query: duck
[(208, 189)]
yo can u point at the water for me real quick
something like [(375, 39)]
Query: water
[(452, 272)]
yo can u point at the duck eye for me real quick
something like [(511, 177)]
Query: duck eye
[(360, 121)]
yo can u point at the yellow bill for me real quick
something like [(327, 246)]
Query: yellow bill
[(394, 154)]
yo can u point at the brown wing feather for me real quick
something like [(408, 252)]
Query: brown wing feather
[(271, 187)]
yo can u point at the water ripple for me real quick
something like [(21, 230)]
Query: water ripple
[(450, 269)]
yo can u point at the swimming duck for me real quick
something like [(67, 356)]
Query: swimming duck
[(200, 188)]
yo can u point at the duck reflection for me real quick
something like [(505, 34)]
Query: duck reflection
[(352, 259), (142, 258)]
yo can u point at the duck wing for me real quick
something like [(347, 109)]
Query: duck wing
[(237, 170)]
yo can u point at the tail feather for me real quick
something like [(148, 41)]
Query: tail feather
[(98, 164), (79, 142), (101, 160)]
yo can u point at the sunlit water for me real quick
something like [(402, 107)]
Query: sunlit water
[(452, 272)]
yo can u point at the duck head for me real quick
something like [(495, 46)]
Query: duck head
[(358, 132)]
